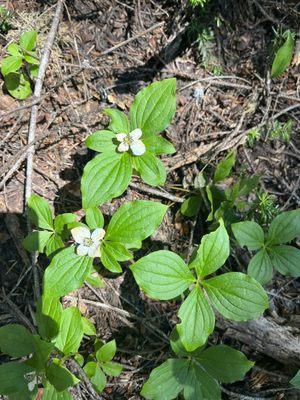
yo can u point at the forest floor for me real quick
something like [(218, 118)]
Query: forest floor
[(104, 52)]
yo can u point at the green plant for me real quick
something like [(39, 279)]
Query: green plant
[(296, 380), (20, 66), (5, 20), (200, 3), (272, 252), (130, 145), (196, 374), (283, 52), (163, 275), (281, 131)]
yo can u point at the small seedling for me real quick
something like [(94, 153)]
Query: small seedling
[(21, 66)]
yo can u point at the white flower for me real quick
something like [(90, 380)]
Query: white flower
[(89, 242), (131, 141)]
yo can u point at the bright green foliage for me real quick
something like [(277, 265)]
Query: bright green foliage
[(284, 54), (70, 331), (59, 376), (196, 374), (296, 380), (100, 364), (109, 173), (20, 65), (224, 167), (163, 275), (273, 252), (48, 316), (5, 20), (50, 393)]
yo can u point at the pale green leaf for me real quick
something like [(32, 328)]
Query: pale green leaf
[(50, 393), (162, 275), (18, 85), (158, 145), (260, 267), (70, 331), (150, 168), (249, 234), (28, 40), (94, 218), (102, 141), (283, 56), (237, 296), (48, 315), (54, 243), (37, 240), (224, 167), (88, 327), (40, 213), (197, 320), (112, 368), (285, 227), (119, 122), (107, 351), (10, 64)]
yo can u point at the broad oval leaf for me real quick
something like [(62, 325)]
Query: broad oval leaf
[(283, 56), (197, 320), (154, 107), (37, 240), (10, 64), (166, 381), (18, 85), (224, 363), (213, 251), (102, 141), (249, 234), (59, 376), (28, 40), (260, 267), (16, 340), (70, 331), (12, 377), (40, 213), (48, 315), (158, 145), (107, 351), (119, 122), (50, 393), (150, 168), (236, 296), (135, 221), (66, 272), (296, 380), (94, 218), (105, 177), (162, 275), (285, 227), (224, 167), (286, 260)]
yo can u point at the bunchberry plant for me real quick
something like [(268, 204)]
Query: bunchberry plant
[(283, 54), (20, 66), (130, 144), (272, 251), (196, 374), (163, 275), (100, 364)]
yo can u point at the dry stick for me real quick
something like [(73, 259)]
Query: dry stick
[(32, 127), (156, 192)]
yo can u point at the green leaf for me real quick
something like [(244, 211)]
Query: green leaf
[(150, 168), (162, 275), (98, 380), (107, 351), (154, 107), (40, 213), (48, 316), (135, 221), (283, 56), (108, 260), (112, 368), (215, 197), (54, 243), (50, 393), (12, 377), (200, 385), (260, 267), (28, 40), (62, 220), (33, 71), (18, 85), (119, 251), (191, 206), (119, 122), (213, 251), (237, 296), (60, 377), (16, 340), (10, 64), (296, 380), (14, 50), (285, 227), (95, 279), (166, 381), (32, 59), (37, 240), (158, 145), (249, 233), (286, 260), (105, 177), (178, 347), (41, 353), (88, 327), (224, 167), (225, 364), (94, 218), (66, 272), (90, 368), (197, 320), (102, 141), (70, 331)]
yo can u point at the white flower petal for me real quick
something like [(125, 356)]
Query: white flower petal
[(136, 134), (94, 251), (123, 147), (80, 233), (82, 250), (98, 235), (121, 137), (138, 148)]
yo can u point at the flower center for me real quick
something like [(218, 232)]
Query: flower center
[(88, 242)]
